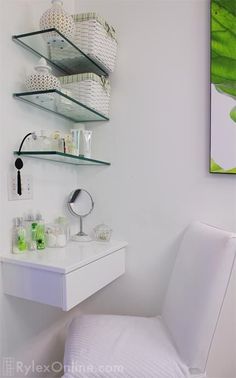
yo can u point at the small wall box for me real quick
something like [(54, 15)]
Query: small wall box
[(63, 277)]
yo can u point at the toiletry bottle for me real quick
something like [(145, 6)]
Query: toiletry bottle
[(16, 225), (44, 142), (75, 137), (69, 144), (14, 235), (33, 245), (87, 143), (62, 145), (55, 137), (21, 236), (40, 233), (28, 222)]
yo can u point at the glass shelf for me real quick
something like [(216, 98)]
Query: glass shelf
[(61, 157), (57, 102), (63, 54)]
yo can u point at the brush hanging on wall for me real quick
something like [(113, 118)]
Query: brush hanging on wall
[(19, 163)]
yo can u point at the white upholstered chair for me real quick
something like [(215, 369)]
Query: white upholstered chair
[(173, 345)]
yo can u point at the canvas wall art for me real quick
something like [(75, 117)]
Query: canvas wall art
[(223, 86)]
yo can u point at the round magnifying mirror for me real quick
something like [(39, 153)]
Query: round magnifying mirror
[(80, 204)]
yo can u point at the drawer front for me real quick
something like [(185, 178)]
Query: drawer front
[(83, 282), (33, 284)]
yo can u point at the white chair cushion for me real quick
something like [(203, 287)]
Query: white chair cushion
[(196, 291), (120, 346)]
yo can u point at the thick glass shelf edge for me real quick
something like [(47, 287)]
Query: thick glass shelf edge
[(59, 51), (61, 157), (59, 103)]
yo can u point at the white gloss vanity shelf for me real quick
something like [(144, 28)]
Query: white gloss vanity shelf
[(63, 277)]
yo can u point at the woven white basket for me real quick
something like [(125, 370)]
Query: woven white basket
[(96, 38), (89, 89)]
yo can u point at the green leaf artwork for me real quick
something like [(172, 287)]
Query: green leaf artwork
[(223, 46), (215, 168), (223, 65)]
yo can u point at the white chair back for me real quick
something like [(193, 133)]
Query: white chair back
[(197, 290)]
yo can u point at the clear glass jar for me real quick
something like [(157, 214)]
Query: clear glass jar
[(56, 236), (102, 232), (64, 225)]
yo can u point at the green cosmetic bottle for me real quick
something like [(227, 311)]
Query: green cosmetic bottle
[(21, 236), (40, 233)]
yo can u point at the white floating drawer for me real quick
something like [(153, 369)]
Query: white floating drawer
[(83, 282), (34, 284), (63, 278)]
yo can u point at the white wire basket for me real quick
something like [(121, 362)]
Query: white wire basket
[(96, 38), (90, 90)]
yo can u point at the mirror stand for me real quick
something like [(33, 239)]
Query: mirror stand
[(81, 205), (81, 236)]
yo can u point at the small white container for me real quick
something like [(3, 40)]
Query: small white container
[(56, 17), (42, 79)]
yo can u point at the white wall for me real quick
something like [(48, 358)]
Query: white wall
[(158, 142)]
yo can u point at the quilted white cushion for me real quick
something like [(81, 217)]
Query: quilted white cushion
[(120, 346)]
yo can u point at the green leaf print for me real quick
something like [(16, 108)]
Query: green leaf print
[(216, 168), (223, 48)]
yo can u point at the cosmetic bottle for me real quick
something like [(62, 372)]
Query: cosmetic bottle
[(44, 142), (62, 145), (33, 245), (75, 137), (20, 243), (40, 232), (55, 137), (29, 221), (16, 225), (69, 146), (87, 143)]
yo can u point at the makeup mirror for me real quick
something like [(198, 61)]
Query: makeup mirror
[(80, 204)]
